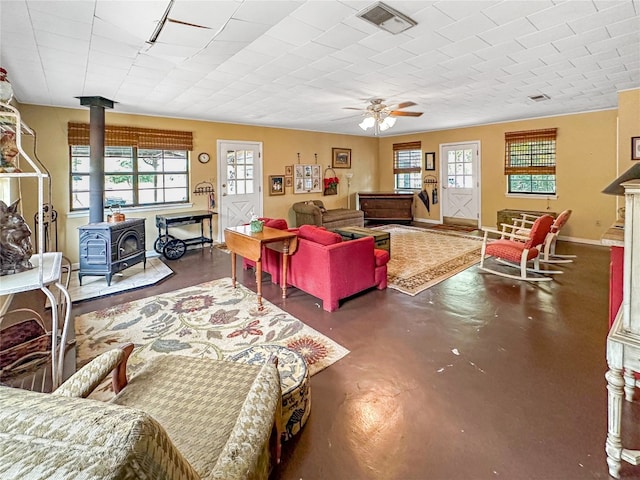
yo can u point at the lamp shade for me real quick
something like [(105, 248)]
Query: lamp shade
[(616, 188)]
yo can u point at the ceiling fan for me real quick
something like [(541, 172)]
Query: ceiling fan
[(381, 116)]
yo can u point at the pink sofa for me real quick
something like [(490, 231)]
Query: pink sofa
[(331, 269)]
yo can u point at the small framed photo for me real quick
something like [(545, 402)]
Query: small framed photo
[(288, 170), (429, 160), (341, 158), (276, 184), (288, 182), (635, 148)]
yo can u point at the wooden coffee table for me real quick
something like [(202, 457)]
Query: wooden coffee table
[(242, 241)]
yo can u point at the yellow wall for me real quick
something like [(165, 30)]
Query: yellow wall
[(629, 125), (280, 148), (586, 163), (586, 157)]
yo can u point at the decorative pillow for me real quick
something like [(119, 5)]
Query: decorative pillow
[(319, 235)]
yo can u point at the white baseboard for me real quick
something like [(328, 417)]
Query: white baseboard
[(426, 220)]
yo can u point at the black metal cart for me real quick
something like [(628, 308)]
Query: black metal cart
[(173, 248)]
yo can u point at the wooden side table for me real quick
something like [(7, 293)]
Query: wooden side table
[(242, 241)]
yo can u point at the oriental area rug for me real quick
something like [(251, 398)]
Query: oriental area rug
[(210, 320), (421, 258)]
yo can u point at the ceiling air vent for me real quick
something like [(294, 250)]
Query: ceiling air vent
[(386, 18), (539, 98)]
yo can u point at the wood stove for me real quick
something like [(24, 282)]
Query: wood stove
[(107, 248)]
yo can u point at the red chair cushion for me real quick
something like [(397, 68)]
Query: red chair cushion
[(318, 235), (510, 250)]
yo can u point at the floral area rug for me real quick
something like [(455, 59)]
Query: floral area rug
[(421, 258), (210, 320)]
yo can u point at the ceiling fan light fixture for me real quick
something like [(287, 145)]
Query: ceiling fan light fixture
[(367, 123), (387, 123), (386, 18)]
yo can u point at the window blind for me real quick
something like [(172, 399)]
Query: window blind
[(530, 152), (407, 157), (121, 136)]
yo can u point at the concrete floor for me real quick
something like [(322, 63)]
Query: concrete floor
[(478, 377)]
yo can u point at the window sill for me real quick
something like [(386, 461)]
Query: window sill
[(536, 196), (146, 208)]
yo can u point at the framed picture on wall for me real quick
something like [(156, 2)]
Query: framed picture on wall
[(635, 148), (341, 157), (288, 170), (288, 182), (429, 160), (276, 184)]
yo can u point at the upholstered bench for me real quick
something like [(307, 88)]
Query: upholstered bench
[(294, 381), (313, 212)]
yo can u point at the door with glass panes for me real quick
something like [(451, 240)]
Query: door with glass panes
[(460, 183), (239, 184)]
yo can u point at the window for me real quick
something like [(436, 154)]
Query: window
[(530, 161), (407, 165), (141, 166), (132, 176)]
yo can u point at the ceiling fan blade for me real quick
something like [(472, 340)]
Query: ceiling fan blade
[(354, 108), (398, 113), (402, 105)]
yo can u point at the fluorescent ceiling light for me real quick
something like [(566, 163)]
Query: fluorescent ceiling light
[(386, 18)]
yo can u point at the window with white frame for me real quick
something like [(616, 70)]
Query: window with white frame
[(530, 162), (407, 165)]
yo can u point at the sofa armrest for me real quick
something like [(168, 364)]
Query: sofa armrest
[(85, 380), (259, 415), (307, 214)]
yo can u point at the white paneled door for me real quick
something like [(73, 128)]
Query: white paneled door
[(239, 183), (460, 182)]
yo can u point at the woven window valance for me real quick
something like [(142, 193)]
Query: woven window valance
[(407, 146), (530, 152), (119, 136), (407, 157)]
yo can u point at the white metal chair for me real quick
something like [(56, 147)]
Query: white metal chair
[(518, 250)]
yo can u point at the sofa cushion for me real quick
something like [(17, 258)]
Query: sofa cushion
[(382, 257), (318, 235)]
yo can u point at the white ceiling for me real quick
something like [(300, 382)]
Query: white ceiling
[(296, 64)]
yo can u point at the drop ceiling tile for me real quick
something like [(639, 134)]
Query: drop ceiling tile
[(104, 29), (269, 45), (469, 44), (208, 14), (460, 9), (340, 36), (113, 47), (510, 30), (429, 42), (185, 36), (466, 27), (391, 56), (59, 42), (294, 31), (505, 12), (381, 40), (364, 66), (628, 25), (268, 13), (323, 15), (560, 13), (612, 13), (63, 26), (500, 50), (545, 36), (611, 44), (241, 31), (540, 51), (138, 18), (235, 68), (582, 40), (75, 11), (312, 50)]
